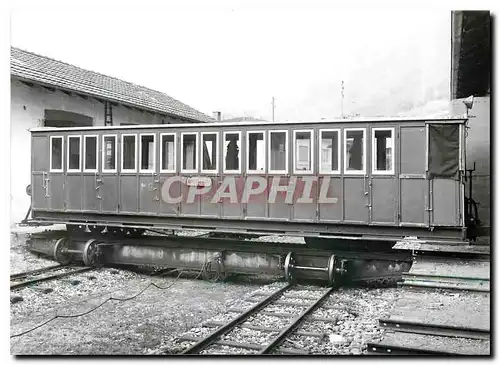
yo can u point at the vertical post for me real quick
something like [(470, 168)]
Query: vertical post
[(273, 108), (342, 100)]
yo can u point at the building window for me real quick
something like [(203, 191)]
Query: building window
[(56, 154), (90, 154), (383, 150), (329, 151), (189, 148), (278, 156), (354, 153), (303, 151), (129, 160), (74, 153), (256, 152), (109, 153), (167, 152), (232, 152), (148, 153), (210, 152)]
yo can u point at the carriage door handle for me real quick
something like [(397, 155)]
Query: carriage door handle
[(369, 205), (156, 181), (45, 183), (98, 181)]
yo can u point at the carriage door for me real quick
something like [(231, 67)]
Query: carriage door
[(107, 184), (149, 179), (73, 189), (40, 166), (356, 181), (54, 185), (91, 178), (446, 190), (413, 184), (127, 178), (383, 184)]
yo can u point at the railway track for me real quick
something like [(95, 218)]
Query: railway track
[(277, 304), (444, 307), (32, 277)]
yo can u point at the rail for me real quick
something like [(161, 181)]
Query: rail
[(214, 338), (22, 284)]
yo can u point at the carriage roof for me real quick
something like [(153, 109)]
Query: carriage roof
[(397, 120)]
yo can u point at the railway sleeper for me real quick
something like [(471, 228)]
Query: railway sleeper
[(267, 329), (248, 346)]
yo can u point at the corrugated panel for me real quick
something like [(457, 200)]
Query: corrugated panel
[(30, 66)]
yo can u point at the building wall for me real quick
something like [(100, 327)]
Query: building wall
[(478, 150), (28, 106)]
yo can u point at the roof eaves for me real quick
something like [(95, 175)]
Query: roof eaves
[(22, 69)]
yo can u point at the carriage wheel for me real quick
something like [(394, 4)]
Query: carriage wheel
[(332, 263), (60, 251), (288, 266), (90, 253), (214, 274)]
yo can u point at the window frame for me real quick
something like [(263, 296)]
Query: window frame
[(79, 169), (103, 169), (339, 152), (224, 170), (355, 172), (311, 152), (270, 170), (128, 171), (195, 170), (96, 152), (264, 171), (216, 170), (62, 154), (141, 170), (374, 155), (167, 171)]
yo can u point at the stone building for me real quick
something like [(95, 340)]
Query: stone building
[(47, 92)]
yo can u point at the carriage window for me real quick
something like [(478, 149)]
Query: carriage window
[(168, 152), (329, 151), (147, 152), (189, 152), (128, 153), (232, 151), (354, 156), (209, 151), (278, 151), (109, 154), (303, 151), (90, 153), (56, 155), (74, 153), (382, 150), (256, 149)]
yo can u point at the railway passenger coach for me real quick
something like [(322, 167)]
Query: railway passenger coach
[(369, 178)]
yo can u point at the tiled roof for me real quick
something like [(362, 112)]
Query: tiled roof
[(32, 67)]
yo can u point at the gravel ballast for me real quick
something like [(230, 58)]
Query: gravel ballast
[(153, 322)]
